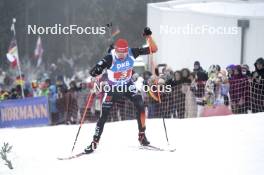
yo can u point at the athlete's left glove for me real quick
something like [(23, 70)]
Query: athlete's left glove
[(96, 70), (147, 32)]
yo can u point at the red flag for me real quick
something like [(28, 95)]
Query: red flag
[(12, 54)]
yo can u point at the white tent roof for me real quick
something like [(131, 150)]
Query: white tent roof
[(231, 8)]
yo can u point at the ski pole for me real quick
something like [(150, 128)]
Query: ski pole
[(109, 26), (163, 119), (165, 130), (82, 120), (164, 124)]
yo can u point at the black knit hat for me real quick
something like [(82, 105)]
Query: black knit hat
[(197, 63), (260, 61)]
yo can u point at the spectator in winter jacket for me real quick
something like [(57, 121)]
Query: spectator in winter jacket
[(258, 86), (229, 70), (167, 98), (44, 89), (245, 70), (185, 76), (176, 80), (178, 97), (259, 70), (200, 73), (218, 68), (18, 90), (61, 90), (71, 104), (13, 94), (239, 91), (190, 100), (35, 88), (210, 86), (201, 78), (60, 83), (186, 82), (223, 87), (53, 96), (146, 76), (168, 76)]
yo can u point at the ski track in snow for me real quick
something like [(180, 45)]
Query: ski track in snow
[(230, 145)]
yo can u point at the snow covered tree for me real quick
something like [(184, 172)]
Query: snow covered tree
[(6, 148)]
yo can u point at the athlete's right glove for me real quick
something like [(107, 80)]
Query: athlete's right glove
[(152, 45)]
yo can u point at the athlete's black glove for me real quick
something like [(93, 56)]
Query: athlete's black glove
[(96, 70), (147, 31)]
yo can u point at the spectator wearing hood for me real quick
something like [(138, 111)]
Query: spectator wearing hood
[(200, 73), (239, 91), (258, 86), (245, 70), (258, 74), (230, 71), (201, 78)]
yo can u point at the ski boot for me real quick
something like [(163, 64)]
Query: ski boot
[(91, 147), (143, 139)]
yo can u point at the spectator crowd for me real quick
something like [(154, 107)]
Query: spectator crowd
[(236, 87)]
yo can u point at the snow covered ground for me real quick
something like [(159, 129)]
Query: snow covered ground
[(231, 145)]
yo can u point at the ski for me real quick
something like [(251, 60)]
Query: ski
[(155, 148), (147, 147), (72, 157)]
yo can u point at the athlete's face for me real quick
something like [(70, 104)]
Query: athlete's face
[(121, 55)]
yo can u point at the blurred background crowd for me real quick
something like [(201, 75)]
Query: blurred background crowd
[(236, 87)]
